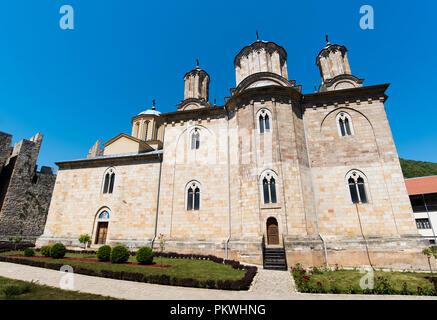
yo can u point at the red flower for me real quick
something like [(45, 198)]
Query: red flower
[(302, 271), (306, 278), (419, 288), (319, 283)]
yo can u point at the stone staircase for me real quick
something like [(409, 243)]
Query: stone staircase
[(274, 258)]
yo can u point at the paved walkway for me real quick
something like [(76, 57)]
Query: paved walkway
[(268, 285)]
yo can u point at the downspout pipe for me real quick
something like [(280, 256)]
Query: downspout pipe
[(157, 201), (314, 196), (229, 185)]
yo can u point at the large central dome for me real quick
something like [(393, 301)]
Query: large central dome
[(260, 56)]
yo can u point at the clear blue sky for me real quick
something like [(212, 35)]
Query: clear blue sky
[(77, 86)]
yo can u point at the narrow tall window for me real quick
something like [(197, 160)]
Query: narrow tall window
[(261, 124), (193, 196), (272, 190), (344, 124), (269, 187), (353, 191), (196, 199), (190, 199), (195, 139), (264, 120), (267, 121), (106, 185), (266, 191), (109, 181), (357, 188)]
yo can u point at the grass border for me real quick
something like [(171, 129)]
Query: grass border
[(242, 284)]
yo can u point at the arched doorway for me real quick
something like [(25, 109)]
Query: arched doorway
[(272, 231), (102, 227)]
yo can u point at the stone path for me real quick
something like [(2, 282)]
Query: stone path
[(268, 284)]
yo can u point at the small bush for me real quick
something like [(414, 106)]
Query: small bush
[(144, 255), (58, 251), (45, 251), (119, 254), (104, 253), (12, 290), (29, 252)]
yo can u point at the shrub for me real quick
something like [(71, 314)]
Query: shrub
[(104, 253), (119, 254), (29, 252), (12, 290), (144, 255), (383, 286), (58, 251), (45, 251)]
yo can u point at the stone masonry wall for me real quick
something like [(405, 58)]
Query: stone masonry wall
[(25, 193)]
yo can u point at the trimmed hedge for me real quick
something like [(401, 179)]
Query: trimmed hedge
[(144, 255), (45, 251), (58, 251), (242, 284), (119, 254), (104, 253), (29, 252)]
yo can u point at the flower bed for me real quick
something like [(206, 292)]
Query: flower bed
[(348, 281), (164, 279)]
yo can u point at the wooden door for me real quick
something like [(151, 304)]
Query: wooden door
[(102, 230), (272, 231)]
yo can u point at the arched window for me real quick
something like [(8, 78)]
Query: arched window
[(195, 139), (268, 181), (344, 124), (264, 117), (357, 187), (108, 185), (193, 195)]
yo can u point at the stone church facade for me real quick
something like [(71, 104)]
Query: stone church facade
[(317, 174)]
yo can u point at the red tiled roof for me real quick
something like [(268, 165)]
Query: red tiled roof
[(421, 185)]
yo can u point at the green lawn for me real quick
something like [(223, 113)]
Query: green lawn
[(183, 268), (35, 291), (348, 281)]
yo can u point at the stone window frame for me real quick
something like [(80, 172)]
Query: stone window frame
[(343, 115), (193, 184), (269, 173), (195, 131), (112, 172), (97, 220), (356, 174), (263, 112)]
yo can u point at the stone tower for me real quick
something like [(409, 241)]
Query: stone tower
[(335, 69), (260, 56), (147, 126), (196, 93)]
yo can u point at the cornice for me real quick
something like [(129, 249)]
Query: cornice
[(376, 92)]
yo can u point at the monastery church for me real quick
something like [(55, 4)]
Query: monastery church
[(315, 176)]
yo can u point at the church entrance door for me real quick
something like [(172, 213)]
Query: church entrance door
[(102, 231), (272, 231)]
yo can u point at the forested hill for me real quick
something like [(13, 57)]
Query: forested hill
[(412, 168)]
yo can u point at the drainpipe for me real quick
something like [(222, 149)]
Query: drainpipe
[(314, 195), (229, 185), (157, 201), (429, 219)]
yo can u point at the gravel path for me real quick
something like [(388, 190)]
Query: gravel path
[(268, 284)]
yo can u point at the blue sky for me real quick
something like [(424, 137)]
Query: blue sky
[(77, 86)]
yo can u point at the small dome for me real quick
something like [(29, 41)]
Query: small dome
[(154, 112)]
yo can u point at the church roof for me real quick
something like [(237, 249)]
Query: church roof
[(150, 111)]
